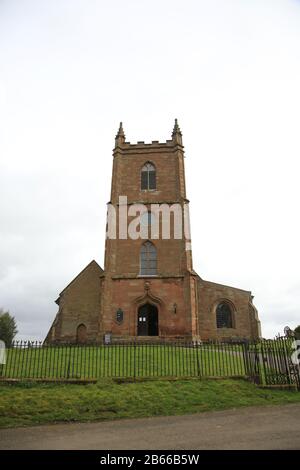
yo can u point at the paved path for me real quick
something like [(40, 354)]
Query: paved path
[(274, 427)]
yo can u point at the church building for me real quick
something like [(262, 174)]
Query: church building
[(148, 289)]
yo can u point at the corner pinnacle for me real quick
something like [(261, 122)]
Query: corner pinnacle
[(176, 134), (120, 137)]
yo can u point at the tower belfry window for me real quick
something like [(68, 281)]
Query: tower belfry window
[(148, 259), (148, 177)]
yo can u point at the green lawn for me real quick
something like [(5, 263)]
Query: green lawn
[(31, 403), (124, 361)]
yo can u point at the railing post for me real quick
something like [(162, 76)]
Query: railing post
[(196, 345), (245, 347), (259, 356), (254, 369), (134, 359)]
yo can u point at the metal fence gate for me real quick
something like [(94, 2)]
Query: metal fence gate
[(270, 362)]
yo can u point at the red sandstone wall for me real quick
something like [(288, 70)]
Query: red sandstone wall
[(79, 303), (129, 294), (209, 295)]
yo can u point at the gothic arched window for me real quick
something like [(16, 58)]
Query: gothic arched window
[(148, 176), (148, 259), (224, 316), (81, 334)]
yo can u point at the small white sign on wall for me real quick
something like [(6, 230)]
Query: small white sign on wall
[(107, 338)]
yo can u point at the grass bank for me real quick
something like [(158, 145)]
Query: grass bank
[(30, 404)]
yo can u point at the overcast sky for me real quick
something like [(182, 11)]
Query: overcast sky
[(70, 70)]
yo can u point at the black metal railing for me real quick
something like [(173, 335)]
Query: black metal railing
[(265, 362), (275, 362), (27, 359)]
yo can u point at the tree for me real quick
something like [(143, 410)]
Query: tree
[(8, 328), (297, 332)]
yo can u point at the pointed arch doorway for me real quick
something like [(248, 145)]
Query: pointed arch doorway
[(147, 320)]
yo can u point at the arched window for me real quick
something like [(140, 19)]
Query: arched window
[(148, 176), (148, 258), (81, 333), (224, 315)]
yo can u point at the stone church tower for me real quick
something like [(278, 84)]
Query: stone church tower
[(148, 288)]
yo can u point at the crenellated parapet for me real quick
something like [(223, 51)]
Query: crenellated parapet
[(124, 147)]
